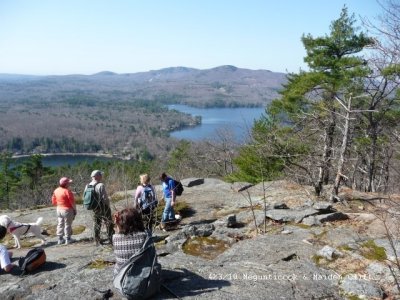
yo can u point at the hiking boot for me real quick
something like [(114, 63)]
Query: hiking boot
[(60, 241), (163, 227), (69, 241)]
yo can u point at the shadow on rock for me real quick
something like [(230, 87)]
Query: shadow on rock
[(187, 212), (184, 283), (49, 266), (203, 221), (16, 271)]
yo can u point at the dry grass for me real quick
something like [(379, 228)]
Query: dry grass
[(51, 230), (100, 264)]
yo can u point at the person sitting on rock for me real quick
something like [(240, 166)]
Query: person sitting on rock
[(129, 237), (5, 255)]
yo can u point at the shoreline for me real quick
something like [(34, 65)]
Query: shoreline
[(70, 154)]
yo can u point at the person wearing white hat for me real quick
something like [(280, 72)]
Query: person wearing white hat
[(102, 213), (64, 199)]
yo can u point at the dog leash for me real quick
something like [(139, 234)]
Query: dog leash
[(16, 227), (27, 229)]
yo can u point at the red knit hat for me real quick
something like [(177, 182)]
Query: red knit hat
[(64, 181)]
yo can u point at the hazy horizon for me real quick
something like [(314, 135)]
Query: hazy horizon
[(87, 37), (103, 71)]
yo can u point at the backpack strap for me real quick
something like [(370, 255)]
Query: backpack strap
[(171, 184), (94, 189)]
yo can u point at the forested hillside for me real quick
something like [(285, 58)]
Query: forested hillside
[(119, 113)]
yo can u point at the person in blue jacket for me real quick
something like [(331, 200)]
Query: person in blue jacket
[(169, 197)]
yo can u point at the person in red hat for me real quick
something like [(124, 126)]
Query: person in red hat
[(64, 199)]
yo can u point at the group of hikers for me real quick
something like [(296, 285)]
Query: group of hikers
[(127, 229), (144, 201)]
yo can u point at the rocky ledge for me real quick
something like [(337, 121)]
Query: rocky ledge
[(268, 241)]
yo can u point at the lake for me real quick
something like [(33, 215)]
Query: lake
[(237, 121)]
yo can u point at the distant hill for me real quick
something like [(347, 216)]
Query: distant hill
[(220, 86), (119, 113)]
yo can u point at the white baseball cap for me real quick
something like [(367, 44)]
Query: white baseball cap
[(96, 173)]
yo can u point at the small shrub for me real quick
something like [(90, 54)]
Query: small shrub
[(345, 248), (99, 264), (117, 197), (317, 259), (300, 225), (180, 206), (372, 251), (78, 229)]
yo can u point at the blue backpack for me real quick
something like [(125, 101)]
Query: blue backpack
[(148, 199)]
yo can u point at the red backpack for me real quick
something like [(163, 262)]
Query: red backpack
[(35, 258)]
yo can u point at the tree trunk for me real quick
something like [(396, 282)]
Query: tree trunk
[(343, 148), (372, 156), (323, 175)]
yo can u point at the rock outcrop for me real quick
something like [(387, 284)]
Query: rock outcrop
[(234, 245)]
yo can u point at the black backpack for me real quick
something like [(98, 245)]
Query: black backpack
[(140, 276), (178, 187), (35, 258), (90, 197)]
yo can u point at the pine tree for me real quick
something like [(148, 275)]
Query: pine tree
[(308, 115)]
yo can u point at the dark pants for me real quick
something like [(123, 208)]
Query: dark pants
[(149, 218), (103, 214)]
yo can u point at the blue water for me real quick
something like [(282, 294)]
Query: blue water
[(234, 122)]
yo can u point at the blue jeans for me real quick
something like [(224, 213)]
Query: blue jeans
[(168, 213)]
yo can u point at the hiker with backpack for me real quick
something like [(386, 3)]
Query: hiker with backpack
[(100, 206), (137, 274), (64, 199), (145, 200), (5, 255), (169, 187)]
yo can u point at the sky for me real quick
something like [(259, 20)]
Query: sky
[(59, 37)]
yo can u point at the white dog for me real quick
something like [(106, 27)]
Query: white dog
[(17, 229)]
